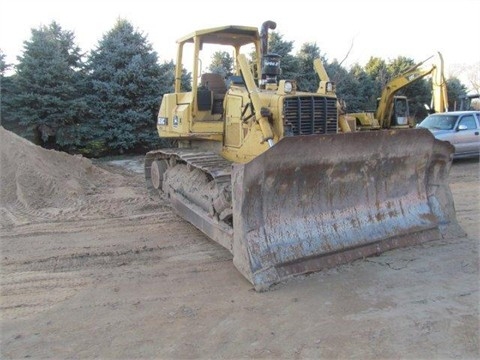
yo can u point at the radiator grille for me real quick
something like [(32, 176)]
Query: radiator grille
[(307, 115)]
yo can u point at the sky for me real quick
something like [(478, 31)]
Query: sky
[(360, 29)]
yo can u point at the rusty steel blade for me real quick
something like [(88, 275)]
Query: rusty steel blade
[(312, 202)]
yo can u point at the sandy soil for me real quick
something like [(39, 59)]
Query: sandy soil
[(92, 267)]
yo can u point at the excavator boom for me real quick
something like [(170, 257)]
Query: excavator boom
[(439, 89)]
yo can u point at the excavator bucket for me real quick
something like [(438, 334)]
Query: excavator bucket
[(313, 202)]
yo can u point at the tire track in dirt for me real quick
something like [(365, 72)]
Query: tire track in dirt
[(38, 273), (28, 293)]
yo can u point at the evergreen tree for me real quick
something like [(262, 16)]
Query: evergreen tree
[(6, 84), (222, 63), (419, 95), (167, 79), (307, 79), (456, 90), (126, 83), (3, 64), (377, 71), (399, 66), (46, 91), (362, 90), (288, 63), (347, 86)]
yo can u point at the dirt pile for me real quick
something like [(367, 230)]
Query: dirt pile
[(40, 184)]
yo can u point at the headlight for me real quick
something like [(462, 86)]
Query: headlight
[(288, 87), (329, 87), (162, 121)]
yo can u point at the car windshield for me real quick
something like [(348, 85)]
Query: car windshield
[(439, 122)]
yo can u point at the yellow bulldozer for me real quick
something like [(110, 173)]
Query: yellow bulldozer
[(267, 172)]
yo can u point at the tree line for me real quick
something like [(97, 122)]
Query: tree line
[(106, 102)]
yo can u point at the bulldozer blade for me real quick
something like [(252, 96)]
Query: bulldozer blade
[(313, 202)]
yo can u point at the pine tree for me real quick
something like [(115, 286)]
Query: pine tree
[(288, 63), (5, 94), (47, 88), (126, 90), (307, 80), (3, 64), (222, 63)]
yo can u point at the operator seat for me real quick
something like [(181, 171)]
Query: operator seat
[(214, 82)]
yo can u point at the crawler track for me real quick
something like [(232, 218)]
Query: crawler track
[(214, 165), (198, 186)]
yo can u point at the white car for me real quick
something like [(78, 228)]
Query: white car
[(459, 128)]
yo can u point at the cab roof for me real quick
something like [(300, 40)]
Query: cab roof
[(224, 35)]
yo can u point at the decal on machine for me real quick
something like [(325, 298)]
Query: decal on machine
[(176, 121)]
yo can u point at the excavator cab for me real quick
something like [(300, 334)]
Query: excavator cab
[(400, 114)]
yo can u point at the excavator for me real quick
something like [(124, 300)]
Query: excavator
[(266, 171), (392, 110), (466, 102)]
